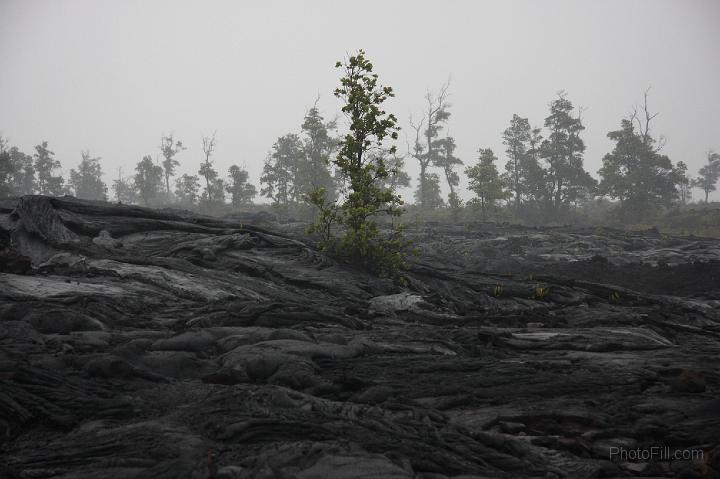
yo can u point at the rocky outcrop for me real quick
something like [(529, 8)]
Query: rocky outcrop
[(160, 343)]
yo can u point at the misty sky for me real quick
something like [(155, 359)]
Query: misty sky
[(112, 76)]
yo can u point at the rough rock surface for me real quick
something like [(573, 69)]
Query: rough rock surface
[(159, 343)]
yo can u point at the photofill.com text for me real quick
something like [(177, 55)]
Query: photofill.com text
[(655, 453)]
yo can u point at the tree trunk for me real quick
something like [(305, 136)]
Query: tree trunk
[(429, 147), (517, 193), (558, 197), (207, 187), (423, 168)]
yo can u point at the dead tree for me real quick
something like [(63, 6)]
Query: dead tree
[(435, 113), (642, 119), (206, 169)]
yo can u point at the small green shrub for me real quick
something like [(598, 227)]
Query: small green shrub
[(364, 169)]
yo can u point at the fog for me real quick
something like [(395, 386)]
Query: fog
[(519, 315), (112, 77)]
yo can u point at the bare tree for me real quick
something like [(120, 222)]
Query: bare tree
[(206, 168), (435, 114), (642, 119)]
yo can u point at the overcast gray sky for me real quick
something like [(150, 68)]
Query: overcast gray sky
[(112, 76)]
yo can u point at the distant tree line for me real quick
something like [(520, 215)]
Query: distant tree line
[(543, 179), (151, 185)]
